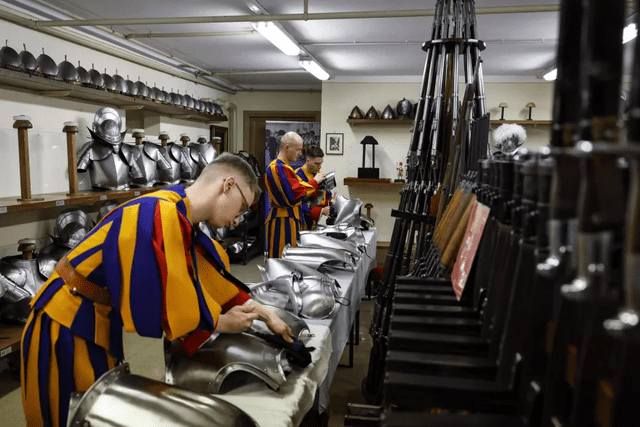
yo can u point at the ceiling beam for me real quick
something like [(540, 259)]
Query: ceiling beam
[(194, 34), (287, 17)]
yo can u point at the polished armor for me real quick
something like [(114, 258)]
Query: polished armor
[(21, 280), (221, 355), (120, 398), (347, 211), (150, 160), (202, 154), (324, 241), (316, 257), (172, 153)]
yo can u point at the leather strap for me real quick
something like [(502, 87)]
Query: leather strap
[(80, 285)]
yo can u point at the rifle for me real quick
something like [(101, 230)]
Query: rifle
[(415, 182)]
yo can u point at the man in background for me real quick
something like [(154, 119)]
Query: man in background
[(286, 192), (314, 208)]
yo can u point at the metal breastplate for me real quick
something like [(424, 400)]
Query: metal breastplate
[(173, 155), (219, 357), (122, 399), (22, 280), (322, 241), (347, 211), (49, 256), (203, 154), (108, 169), (150, 161), (278, 267), (315, 257), (342, 232), (310, 297), (189, 170)]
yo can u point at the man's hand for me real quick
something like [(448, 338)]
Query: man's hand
[(319, 177), (273, 322), (326, 211), (237, 319)]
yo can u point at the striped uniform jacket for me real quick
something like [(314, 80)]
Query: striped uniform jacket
[(286, 192), (312, 214), (163, 275)]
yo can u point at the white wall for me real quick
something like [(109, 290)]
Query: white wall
[(338, 99)]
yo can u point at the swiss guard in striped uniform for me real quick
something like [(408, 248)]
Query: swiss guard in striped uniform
[(145, 267), (313, 208), (286, 193)]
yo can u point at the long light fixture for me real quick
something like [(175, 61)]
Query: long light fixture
[(279, 38), (314, 68), (629, 33)]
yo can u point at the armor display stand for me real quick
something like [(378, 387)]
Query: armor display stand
[(27, 247), (217, 143), (163, 137), (71, 128), (138, 134), (22, 123)]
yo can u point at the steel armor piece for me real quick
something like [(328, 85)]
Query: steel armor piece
[(172, 153), (388, 113), (48, 66), (9, 58), (316, 257), (372, 113), (404, 108), (150, 160), (29, 62), (120, 398), (356, 113)]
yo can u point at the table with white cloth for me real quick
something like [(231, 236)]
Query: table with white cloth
[(309, 387), (352, 289)]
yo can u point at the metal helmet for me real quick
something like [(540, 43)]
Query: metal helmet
[(404, 108), (139, 398), (167, 96), (217, 109), (175, 99), (29, 62), (388, 113), (109, 83), (105, 208), (70, 216), (121, 84), (9, 58), (96, 78), (83, 75), (48, 67), (158, 94), (143, 90), (372, 113), (132, 89), (356, 113), (107, 124), (68, 72), (188, 101)]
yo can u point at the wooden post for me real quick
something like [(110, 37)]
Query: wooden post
[(22, 123), (368, 207), (138, 134), (163, 137), (185, 140), (27, 247), (71, 128), (202, 139)]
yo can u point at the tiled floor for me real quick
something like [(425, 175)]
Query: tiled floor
[(145, 355)]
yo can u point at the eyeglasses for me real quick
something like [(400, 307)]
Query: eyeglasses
[(246, 208)]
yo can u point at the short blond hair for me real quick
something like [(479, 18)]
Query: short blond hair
[(230, 163)]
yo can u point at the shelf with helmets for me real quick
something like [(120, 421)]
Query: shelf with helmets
[(401, 115), (53, 88)]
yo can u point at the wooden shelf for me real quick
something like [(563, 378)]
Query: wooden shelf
[(52, 200), (381, 182), (521, 122), (10, 336), (23, 82), (356, 122)]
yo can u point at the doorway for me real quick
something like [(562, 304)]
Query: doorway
[(254, 127)]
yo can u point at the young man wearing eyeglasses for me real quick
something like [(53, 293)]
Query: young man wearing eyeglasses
[(146, 267), (286, 192)]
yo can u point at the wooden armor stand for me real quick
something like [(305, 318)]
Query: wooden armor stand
[(163, 137), (185, 140), (22, 123), (138, 134), (71, 128)]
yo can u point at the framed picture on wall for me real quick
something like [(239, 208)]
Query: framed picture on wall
[(335, 143)]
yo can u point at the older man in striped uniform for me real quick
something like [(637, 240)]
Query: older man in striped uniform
[(145, 267), (286, 193)]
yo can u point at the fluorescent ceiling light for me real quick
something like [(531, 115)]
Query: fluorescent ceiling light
[(629, 33), (314, 68), (551, 74), (279, 38)]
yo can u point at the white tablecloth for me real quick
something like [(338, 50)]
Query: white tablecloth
[(352, 288), (287, 406)]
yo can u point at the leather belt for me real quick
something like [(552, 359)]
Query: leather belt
[(80, 285)]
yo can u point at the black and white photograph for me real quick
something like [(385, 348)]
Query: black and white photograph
[(335, 143)]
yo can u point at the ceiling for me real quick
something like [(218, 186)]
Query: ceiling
[(520, 44)]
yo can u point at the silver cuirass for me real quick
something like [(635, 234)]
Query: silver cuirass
[(172, 153), (150, 160), (109, 166), (20, 280), (189, 171), (203, 154)]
